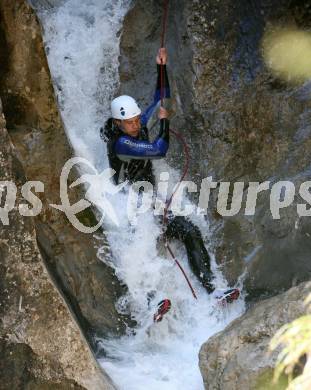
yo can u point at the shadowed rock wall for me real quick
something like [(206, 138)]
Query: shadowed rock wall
[(41, 346), (241, 123), (36, 130)]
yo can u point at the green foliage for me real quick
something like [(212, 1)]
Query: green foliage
[(294, 358), (265, 381)]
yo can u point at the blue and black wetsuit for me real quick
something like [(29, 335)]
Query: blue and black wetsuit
[(131, 159)]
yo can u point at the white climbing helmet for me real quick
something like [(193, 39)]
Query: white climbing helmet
[(124, 107)]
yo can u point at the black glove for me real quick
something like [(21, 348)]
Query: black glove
[(165, 129)]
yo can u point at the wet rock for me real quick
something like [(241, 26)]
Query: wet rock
[(89, 285), (238, 357), (243, 122), (18, 368), (249, 129), (43, 5), (41, 346)]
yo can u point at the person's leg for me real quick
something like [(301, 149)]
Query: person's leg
[(181, 228)]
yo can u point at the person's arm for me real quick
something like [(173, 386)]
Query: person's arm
[(161, 62), (128, 147)]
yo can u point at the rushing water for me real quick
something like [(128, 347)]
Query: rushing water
[(81, 39)]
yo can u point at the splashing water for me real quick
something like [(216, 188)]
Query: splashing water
[(81, 40)]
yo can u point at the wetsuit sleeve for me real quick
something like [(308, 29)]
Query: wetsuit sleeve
[(128, 147), (157, 94)]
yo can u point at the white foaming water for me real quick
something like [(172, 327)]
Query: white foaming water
[(83, 48)]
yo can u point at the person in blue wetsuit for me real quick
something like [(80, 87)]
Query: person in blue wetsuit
[(126, 133), (130, 154)]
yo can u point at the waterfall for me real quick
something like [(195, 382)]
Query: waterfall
[(82, 44)]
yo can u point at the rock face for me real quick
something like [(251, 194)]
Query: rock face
[(257, 130), (88, 285), (243, 123), (41, 346), (238, 357)]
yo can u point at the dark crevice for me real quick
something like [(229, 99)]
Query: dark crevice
[(5, 53)]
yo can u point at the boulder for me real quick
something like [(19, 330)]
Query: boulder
[(238, 358), (41, 346)]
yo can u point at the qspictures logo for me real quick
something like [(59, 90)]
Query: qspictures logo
[(141, 197)]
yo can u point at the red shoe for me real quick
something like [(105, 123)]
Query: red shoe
[(163, 307), (228, 296)]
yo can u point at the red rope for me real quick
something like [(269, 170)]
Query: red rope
[(164, 22), (186, 150), (182, 270), (162, 82), (168, 203)]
